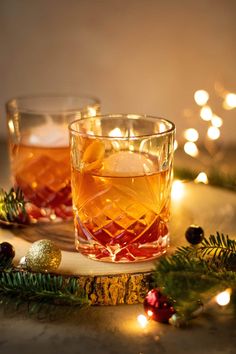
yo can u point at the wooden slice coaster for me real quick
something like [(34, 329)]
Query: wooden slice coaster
[(104, 283)]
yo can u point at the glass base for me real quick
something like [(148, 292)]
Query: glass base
[(135, 252)]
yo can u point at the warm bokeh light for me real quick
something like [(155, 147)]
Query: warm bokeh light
[(191, 134), (201, 178), (92, 112), (230, 100), (213, 133), (225, 106), (201, 97), (223, 298), (191, 148), (216, 121), (149, 313), (175, 145), (177, 191), (206, 113), (116, 132), (142, 320)]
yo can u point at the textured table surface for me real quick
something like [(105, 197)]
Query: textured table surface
[(115, 329)]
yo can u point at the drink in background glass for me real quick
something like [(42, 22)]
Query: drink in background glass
[(121, 183), (39, 150)]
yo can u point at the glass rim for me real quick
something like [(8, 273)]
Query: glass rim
[(123, 115), (11, 104)]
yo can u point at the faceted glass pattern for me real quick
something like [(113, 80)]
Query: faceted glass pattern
[(121, 188)]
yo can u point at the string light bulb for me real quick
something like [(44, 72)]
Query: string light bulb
[(201, 178), (216, 121), (223, 298), (230, 100), (142, 321), (177, 191), (191, 134), (149, 313), (213, 133), (201, 97), (206, 113), (191, 148)]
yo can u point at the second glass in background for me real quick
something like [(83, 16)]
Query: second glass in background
[(39, 150)]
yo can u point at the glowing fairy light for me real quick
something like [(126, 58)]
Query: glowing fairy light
[(213, 133), (142, 320), (191, 134), (201, 97), (223, 298), (175, 145), (177, 191), (230, 100), (149, 313), (216, 121), (191, 148), (206, 113), (201, 178)]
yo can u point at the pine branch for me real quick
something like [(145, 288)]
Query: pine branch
[(185, 173), (219, 249), (12, 206), (42, 287), (197, 273)]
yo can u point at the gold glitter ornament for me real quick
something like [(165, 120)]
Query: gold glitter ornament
[(43, 256)]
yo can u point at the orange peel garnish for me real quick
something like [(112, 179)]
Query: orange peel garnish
[(93, 156)]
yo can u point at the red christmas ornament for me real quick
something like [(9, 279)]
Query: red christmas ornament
[(158, 307)]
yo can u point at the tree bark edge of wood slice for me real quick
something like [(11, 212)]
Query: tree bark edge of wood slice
[(115, 289)]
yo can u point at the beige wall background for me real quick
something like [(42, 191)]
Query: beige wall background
[(142, 56)]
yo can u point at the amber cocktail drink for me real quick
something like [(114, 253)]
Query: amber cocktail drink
[(43, 174), (121, 181), (39, 151)]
